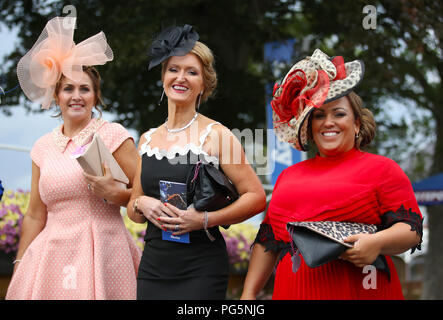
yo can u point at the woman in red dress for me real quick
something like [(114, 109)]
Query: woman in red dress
[(341, 183)]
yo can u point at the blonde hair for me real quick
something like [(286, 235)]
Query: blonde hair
[(209, 74)]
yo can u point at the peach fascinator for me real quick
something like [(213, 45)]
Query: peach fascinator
[(54, 54)]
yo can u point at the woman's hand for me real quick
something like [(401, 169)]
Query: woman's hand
[(153, 209), (103, 187), (366, 249), (182, 221)]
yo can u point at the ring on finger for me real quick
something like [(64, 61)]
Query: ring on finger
[(176, 228), (89, 186)]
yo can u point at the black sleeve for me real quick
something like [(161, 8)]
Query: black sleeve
[(407, 216), (265, 237)]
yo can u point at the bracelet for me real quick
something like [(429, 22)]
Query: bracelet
[(135, 208), (17, 260), (205, 226)]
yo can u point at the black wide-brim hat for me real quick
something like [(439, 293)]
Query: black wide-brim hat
[(173, 41), (310, 83)]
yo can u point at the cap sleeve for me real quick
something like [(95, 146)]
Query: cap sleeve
[(37, 151), (397, 200), (113, 135)]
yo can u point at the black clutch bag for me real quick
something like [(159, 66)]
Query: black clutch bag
[(320, 242), (208, 188)]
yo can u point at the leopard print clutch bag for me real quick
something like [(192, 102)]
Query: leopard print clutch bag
[(336, 230), (320, 242)]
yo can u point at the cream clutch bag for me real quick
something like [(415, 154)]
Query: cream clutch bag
[(92, 157)]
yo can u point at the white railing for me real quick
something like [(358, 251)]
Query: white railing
[(14, 148)]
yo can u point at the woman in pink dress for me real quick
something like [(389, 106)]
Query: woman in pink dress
[(74, 244)]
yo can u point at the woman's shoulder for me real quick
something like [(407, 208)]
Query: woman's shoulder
[(111, 127), (146, 136), (206, 122), (41, 146), (113, 131), (378, 161), (213, 129), (43, 140), (145, 139), (381, 168), (369, 159), (301, 164)]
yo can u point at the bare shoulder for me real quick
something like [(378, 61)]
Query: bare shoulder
[(217, 129), (217, 132), (144, 137)]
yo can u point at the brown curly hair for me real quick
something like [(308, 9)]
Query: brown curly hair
[(367, 122)]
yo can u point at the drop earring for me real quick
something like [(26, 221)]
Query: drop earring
[(199, 100), (161, 98)]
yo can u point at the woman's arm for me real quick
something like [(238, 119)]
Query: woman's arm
[(35, 218), (401, 221), (395, 240), (148, 208), (136, 192), (233, 161), (105, 186), (261, 265)]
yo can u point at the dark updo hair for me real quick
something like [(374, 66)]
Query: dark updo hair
[(95, 78)]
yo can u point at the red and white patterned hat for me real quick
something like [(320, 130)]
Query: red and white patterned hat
[(310, 83)]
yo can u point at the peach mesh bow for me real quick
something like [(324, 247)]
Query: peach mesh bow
[(54, 54)]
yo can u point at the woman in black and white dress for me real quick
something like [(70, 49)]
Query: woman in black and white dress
[(198, 269)]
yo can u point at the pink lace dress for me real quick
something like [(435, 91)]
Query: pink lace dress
[(85, 250)]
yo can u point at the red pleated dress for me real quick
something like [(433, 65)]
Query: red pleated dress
[(356, 187)]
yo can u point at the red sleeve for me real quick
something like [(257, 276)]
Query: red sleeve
[(395, 189), (397, 199)]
